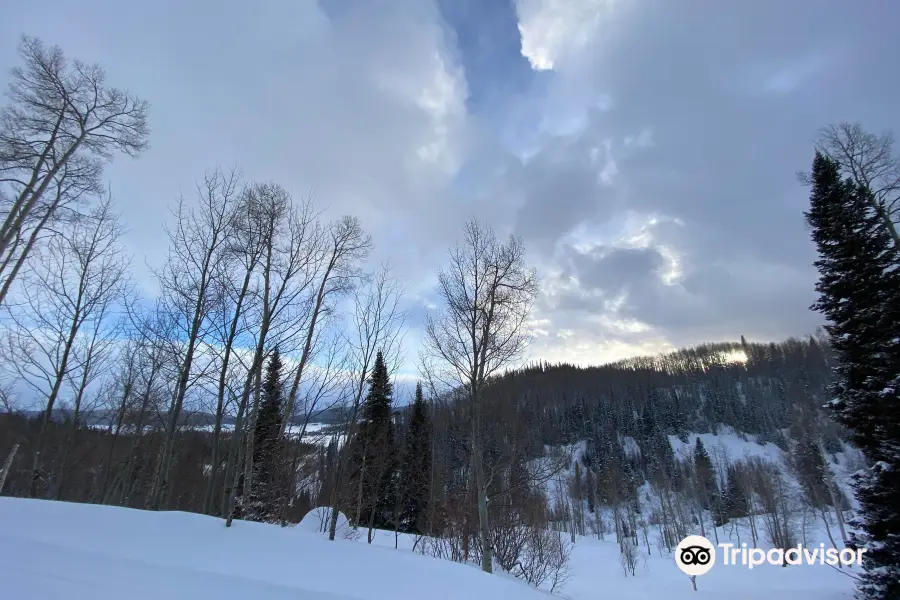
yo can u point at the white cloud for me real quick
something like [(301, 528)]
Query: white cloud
[(361, 107), (552, 29), (364, 107)]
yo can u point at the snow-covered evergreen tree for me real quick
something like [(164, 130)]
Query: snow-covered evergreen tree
[(735, 503), (858, 294), (706, 476)]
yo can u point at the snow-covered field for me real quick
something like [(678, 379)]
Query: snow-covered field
[(53, 550)]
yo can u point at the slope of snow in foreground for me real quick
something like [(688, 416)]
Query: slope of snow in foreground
[(58, 550), (63, 551)]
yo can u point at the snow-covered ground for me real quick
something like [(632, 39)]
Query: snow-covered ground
[(596, 569), (595, 573), (53, 550)]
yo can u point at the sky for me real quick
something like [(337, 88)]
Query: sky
[(646, 151)]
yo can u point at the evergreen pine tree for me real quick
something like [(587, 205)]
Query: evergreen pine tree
[(519, 485), (576, 490), (735, 503), (265, 488), (858, 294), (679, 418), (376, 454), (810, 469), (706, 475), (415, 478), (589, 487)]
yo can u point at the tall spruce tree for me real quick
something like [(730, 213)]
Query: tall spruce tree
[(858, 294), (265, 490), (735, 501), (810, 471), (706, 476), (415, 478), (376, 455)]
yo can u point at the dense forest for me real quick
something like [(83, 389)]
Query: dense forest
[(753, 388)]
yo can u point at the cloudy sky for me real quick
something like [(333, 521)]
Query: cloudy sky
[(645, 150)]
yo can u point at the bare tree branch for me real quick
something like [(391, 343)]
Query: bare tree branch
[(488, 293), (62, 125)]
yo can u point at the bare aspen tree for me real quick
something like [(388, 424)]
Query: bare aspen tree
[(346, 246), (745, 478), (62, 124), (265, 217), (156, 363), (510, 474), (870, 161), (322, 392), (95, 348), (7, 465), (190, 289), (628, 557), (811, 466), (377, 323), (292, 241), (830, 486), (331, 261), (242, 255), (330, 270), (778, 503), (63, 324), (488, 292), (120, 393)]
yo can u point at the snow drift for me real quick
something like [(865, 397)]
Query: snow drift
[(318, 519)]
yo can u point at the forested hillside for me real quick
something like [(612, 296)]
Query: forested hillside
[(753, 388), (618, 448)]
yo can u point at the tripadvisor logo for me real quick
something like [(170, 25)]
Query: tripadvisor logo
[(696, 555)]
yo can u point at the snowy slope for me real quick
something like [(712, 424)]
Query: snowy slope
[(596, 574), (727, 446), (56, 550)]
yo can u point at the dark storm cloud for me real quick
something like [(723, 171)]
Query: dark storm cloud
[(712, 302), (615, 270)]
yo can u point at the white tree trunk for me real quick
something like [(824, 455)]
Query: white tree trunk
[(7, 465)]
